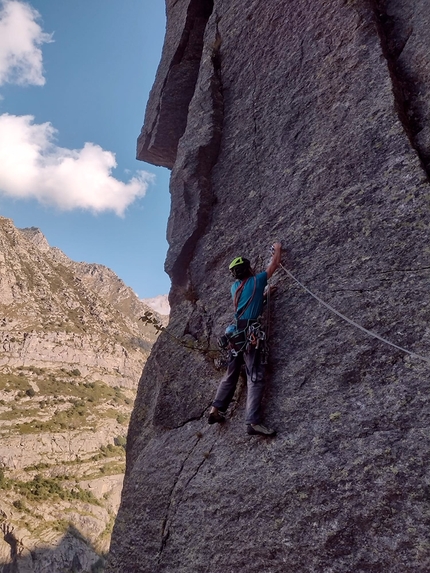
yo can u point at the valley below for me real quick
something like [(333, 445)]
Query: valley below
[(72, 349)]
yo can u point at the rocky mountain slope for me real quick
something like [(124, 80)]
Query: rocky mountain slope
[(71, 352), (159, 303), (306, 122)]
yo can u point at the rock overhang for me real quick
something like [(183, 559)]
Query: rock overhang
[(167, 108)]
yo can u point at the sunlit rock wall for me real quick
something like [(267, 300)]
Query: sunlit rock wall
[(307, 122)]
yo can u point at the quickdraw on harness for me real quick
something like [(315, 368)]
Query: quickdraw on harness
[(257, 337)]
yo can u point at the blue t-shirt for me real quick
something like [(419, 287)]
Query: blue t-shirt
[(255, 307)]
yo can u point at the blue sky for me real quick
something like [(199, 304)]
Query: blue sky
[(74, 81)]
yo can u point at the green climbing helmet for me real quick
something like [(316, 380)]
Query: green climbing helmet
[(240, 267), (237, 261)]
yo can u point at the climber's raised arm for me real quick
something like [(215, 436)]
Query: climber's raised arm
[(275, 260)]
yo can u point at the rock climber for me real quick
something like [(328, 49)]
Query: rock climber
[(248, 293)]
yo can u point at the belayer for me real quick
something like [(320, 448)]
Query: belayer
[(246, 342)]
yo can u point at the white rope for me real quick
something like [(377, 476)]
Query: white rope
[(352, 322)]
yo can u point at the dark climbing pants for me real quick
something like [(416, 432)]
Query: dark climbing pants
[(255, 380)]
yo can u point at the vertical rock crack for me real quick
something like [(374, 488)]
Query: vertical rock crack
[(394, 34), (177, 493)]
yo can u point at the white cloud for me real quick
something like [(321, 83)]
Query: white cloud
[(32, 166), (20, 40)]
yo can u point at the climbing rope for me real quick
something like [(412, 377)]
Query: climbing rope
[(352, 322), (149, 318)]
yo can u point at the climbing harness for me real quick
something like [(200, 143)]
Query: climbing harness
[(352, 322), (237, 342)]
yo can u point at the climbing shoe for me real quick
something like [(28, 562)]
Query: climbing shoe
[(216, 417), (259, 430)]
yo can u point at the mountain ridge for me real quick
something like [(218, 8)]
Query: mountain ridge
[(71, 351)]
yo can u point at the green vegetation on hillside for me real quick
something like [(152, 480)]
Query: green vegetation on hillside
[(72, 404), (42, 488), (10, 382)]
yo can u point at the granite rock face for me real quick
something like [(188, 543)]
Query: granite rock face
[(308, 122)]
